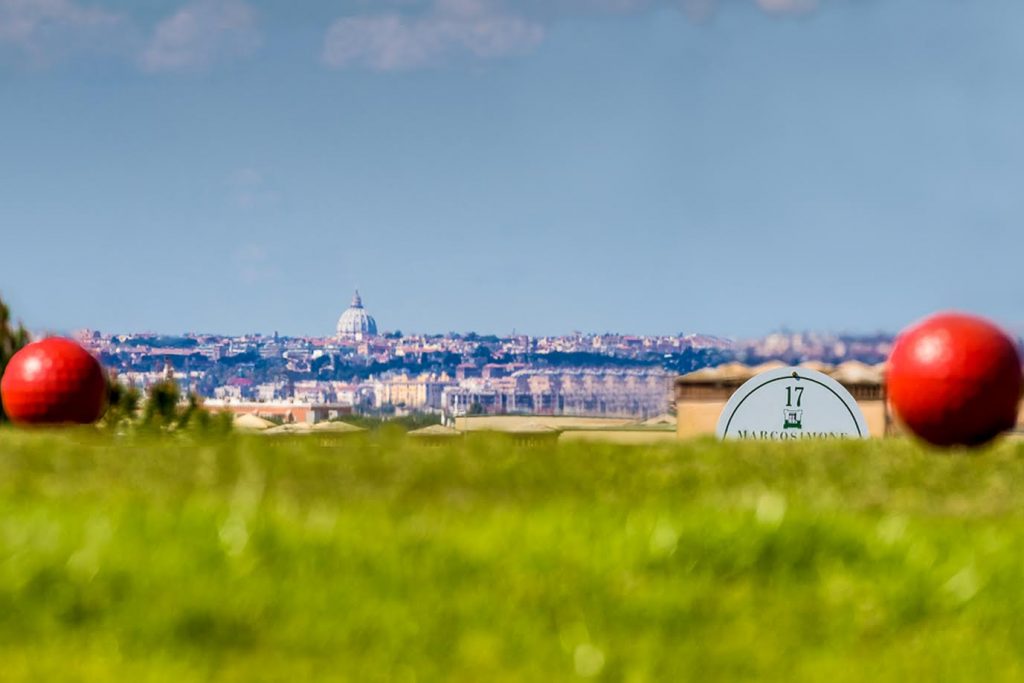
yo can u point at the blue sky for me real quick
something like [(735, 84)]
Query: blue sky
[(646, 166)]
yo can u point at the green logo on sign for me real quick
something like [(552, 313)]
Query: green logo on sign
[(793, 418)]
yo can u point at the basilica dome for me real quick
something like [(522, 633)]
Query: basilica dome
[(355, 323)]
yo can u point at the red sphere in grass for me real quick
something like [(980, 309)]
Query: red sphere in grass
[(955, 380), (53, 381)]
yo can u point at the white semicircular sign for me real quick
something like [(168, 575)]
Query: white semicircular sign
[(792, 403)]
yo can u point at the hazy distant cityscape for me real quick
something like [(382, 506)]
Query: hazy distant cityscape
[(361, 369)]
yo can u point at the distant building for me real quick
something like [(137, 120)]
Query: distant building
[(467, 371), (418, 393), (593, 392), (355, 324), (285, 411)]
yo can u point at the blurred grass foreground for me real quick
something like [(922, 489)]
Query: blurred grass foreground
[(248, 559)]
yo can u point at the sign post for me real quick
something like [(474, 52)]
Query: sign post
[(792, 403)]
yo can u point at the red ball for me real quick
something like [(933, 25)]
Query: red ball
[(53, 381), (955, 379)]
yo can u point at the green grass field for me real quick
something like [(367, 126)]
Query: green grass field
[(247, 560)]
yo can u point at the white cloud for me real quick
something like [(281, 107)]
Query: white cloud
[(412, 34), (788, 6), (201, 33), (249, 189), (45, 29), (253, 264), (392, 41), (690, 7), (398, 35)]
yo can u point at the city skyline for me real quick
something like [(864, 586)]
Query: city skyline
[(649, 167), (357, 370)]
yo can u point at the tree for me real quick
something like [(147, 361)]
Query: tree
[(162, 405), (196, 418), (122, 404), (12, 339), (164, 411)]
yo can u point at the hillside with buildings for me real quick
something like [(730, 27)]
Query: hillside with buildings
[(363, 370)]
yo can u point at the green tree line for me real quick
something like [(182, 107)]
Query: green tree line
[(12, 338)]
